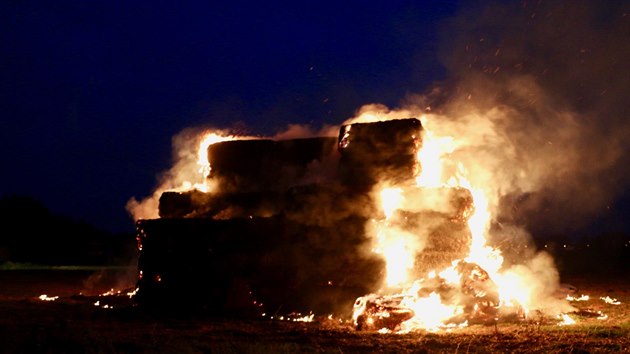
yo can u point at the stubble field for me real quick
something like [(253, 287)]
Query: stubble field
[(73, 323)]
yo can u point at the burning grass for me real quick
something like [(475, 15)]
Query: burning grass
[(74, 324)]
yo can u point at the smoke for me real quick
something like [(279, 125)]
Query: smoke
[(183, 175), (536, 103), (535, 106), (299, 131), (190, 166), (541, 279), (543, 82)]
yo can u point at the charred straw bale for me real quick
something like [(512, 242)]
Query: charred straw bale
[(272, 231), (180, 204), (379, 152), (208, 263), (326, 204), (197, 204), (265, 165)]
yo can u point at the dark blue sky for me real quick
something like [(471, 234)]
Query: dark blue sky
[(92, 92)]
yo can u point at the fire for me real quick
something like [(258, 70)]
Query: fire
[(396, 246), (204, 168), (45, 297), (474, 287), (611, 301), (580, 298), (431, 320), (132, 293), (565, 320), (189, 172), (430, 156), (399, 253), (391, 199)]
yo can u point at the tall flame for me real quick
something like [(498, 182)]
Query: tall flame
[(208, 138), (395, 245), (430, 312), (431, 156)]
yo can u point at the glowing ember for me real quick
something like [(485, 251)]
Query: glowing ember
[(132, 293), (610, 300), (45, 297), (110, 292), (293, 317), (307, 318), (581, 298)]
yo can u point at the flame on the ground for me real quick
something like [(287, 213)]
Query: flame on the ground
[(565, 320), (45, 297), (132, 293), (611, 301), (293, 317), (110, 292), (580, 298)]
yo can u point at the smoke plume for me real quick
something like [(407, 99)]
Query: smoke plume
[(536, 102), (536, 106)]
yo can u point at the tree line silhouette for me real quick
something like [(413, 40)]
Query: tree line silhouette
[(31, 233)]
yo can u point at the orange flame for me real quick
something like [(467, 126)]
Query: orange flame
[(440, 168), (202, 184)]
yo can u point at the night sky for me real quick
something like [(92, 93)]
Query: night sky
[(92, 92)]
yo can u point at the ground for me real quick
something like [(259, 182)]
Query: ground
[(73, 323)]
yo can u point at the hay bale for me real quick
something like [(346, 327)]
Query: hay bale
[(326, 204), (456, 203), (379, 152), (265, 165), (180, 204), (288, 265), (197, 204)]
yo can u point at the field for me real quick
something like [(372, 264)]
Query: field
[(73, 323)]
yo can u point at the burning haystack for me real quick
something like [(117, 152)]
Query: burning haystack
[(429, 217), (290, 225)]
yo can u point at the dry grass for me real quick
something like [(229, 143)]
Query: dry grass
[(74, 324)]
